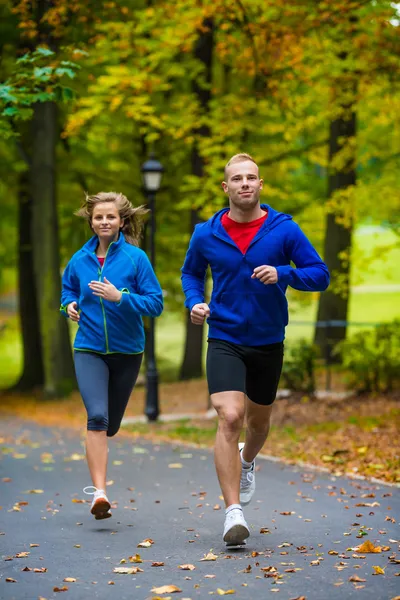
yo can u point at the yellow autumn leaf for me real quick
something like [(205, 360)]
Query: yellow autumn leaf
[(166, 589), (33, 492), (369, 547), (175, 466), (209, 556), (136, 558), (187, 567), (222, 592), (69, 579), (378, 570)]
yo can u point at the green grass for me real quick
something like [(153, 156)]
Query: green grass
[(372, 267)]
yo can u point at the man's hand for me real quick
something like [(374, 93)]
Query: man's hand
[(72, 312), (265, 274), (198, 313), (105, 290)]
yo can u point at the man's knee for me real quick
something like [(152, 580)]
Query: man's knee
[(231, 418)]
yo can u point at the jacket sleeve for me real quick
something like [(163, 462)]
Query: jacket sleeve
[(311, 273), (70, 290), (148, 301), (193, 273)]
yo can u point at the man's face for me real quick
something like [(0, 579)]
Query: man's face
[(243, 185)]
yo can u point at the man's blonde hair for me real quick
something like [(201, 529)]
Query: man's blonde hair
[(238, 158)]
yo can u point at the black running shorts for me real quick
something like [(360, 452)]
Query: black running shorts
[(253, 370)]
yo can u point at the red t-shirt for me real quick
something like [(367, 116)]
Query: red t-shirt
[(242, 233), (101, 260)]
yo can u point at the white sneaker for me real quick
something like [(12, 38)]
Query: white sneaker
[(100, 505), (235, 529), (247, 482)]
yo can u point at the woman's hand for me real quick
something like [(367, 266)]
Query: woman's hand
[(105, 290), (72, 312)]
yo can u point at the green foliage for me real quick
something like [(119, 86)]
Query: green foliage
[(38, 76), (372, 358), (298, 373)]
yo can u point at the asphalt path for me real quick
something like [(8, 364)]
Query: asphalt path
[(311, 523)]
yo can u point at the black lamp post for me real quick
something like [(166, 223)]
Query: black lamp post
[(152, 172)]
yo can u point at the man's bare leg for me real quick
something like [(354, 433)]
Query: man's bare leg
[(257, 428), (230, 407)]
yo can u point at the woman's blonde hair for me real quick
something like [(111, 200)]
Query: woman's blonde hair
[(132, 217)]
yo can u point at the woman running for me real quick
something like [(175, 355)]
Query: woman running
[(107, 286)]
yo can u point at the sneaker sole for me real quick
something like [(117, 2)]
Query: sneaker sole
[(100, 509), (236, 535)]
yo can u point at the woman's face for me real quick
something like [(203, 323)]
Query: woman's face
[(106, 222)]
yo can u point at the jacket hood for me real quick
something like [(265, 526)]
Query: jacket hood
[(274, 217)]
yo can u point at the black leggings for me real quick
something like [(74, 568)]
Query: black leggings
[(106, 382)]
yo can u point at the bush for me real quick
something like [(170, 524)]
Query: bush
[(298, 373), (372, 358)]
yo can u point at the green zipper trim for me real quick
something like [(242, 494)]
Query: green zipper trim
[(101, 300)]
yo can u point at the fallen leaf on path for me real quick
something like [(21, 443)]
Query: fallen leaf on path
[(40, 570), (264, 530), (33, 545), (175, 466), (222, 592), (111, 583), (146, 543), (22, 554), (287, 513), (186, 567), (69, 579), (246, 570), (75, 456), (356, 579), (78, 501), (157, 564), (64, 588), (166, 589), (77, 546), (217, 507), (11, 580), (6, 479), (209, 556), (128, 570), (33, 492), (378, 571), (369, 547), (26, 569), (135, 559), (209, 576)]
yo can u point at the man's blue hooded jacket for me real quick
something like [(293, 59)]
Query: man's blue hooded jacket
[(244, 310)]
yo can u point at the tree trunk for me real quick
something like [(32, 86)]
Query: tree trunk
[(59, 376), (192, 364), (334, 303), (32, 374)]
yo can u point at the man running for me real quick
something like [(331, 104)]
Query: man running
[(249, 247)]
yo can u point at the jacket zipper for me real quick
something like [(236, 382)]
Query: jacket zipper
[(100, 273)]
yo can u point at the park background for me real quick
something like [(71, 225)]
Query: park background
[(311, 89)]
